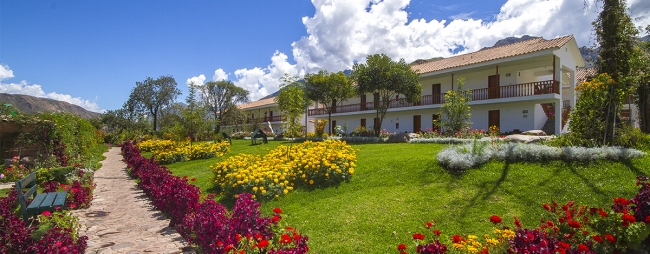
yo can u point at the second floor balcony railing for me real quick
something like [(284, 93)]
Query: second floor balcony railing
[(509, 91), (265, 119)]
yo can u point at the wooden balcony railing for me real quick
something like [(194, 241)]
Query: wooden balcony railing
[(510, 91), (267, 119)]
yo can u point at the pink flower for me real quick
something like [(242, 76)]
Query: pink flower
[(46, 213)]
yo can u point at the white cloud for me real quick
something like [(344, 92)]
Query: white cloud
[(37, 91), (5, 72), (219, 75), (197, 80), (342, 32)]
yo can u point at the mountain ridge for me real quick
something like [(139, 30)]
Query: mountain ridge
[(33, 105)]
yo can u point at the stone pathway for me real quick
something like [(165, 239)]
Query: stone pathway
[(121, 218)]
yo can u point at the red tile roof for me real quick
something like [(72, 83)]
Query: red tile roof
[(489, 54)]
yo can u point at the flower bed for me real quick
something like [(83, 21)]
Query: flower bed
[(56, 233), (313, 164), (478, 152), (167, 151), (568, 228), (207, 224)]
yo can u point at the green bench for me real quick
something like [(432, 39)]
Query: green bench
[(50, 201)]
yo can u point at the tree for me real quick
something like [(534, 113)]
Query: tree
[(615, 33), (456, 110), (292, 102), (386, 79), (151, 96), (331, 89), (220, 97), (586, 119), (641, 79)]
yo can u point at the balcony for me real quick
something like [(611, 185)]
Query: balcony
[(510, 91), (265, 119)]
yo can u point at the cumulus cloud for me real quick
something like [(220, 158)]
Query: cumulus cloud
[(197, 80), (5, 72), (219, 75), (342, 32), (37, 91)]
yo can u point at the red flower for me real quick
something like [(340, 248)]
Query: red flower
[(276, 218), (428, 224), (621, 201), (601, 212), (457, 239), (647, 219), (495, 219), (437, 232), (564, 245), (517, 222), (547, 207), (585, 232), (46, 213), (627, 218), (193, 179), (597, 238), (184, 177), (418, 236), (277, 210), (583, 247), (401, 247), (285, 238), (73, 206), (263, 244), (288, 228), (610, 238)]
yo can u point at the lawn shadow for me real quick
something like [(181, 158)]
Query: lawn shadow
[(487, 189), (637, 171), (572, 168)]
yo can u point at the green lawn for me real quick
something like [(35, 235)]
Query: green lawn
[(396, 188)]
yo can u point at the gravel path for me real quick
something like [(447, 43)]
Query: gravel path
[(121, 218)]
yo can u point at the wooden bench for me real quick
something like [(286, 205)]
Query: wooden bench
[(50, 201)]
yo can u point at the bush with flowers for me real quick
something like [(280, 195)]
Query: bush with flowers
[(570, 228), (79, 184), (207, 224), (14, 172), (312, 164), (168, 151), (57, 235)]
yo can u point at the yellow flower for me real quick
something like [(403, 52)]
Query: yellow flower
[(311, 181)]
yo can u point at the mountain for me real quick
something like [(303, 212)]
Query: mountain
[(511, 40), (33, 105)]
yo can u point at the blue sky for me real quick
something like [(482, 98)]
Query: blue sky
[(91, 53)]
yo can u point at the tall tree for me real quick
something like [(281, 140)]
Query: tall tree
[(615, 33), (641, 66), (331, 89), (293, 102), (220, 97), (152, 95), (386, 79)]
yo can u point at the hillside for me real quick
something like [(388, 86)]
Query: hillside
[(32, 105)]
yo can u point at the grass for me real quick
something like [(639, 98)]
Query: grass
[(396, 188)]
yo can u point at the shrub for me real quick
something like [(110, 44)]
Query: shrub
[(313, 164), (167, 151), (471, 155), (14, 172)]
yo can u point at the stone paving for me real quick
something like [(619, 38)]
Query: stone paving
[(121, 218)]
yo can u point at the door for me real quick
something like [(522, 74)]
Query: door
[(363, 123), (332, 126), (271, 116), (435, 94), (333, 106), (494, 118), (493, 87), (376, 100), (363, 102), (417, 123)]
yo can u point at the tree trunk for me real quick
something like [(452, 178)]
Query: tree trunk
[(643, 106)]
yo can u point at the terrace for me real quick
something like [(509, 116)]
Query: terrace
[(509, 91)]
